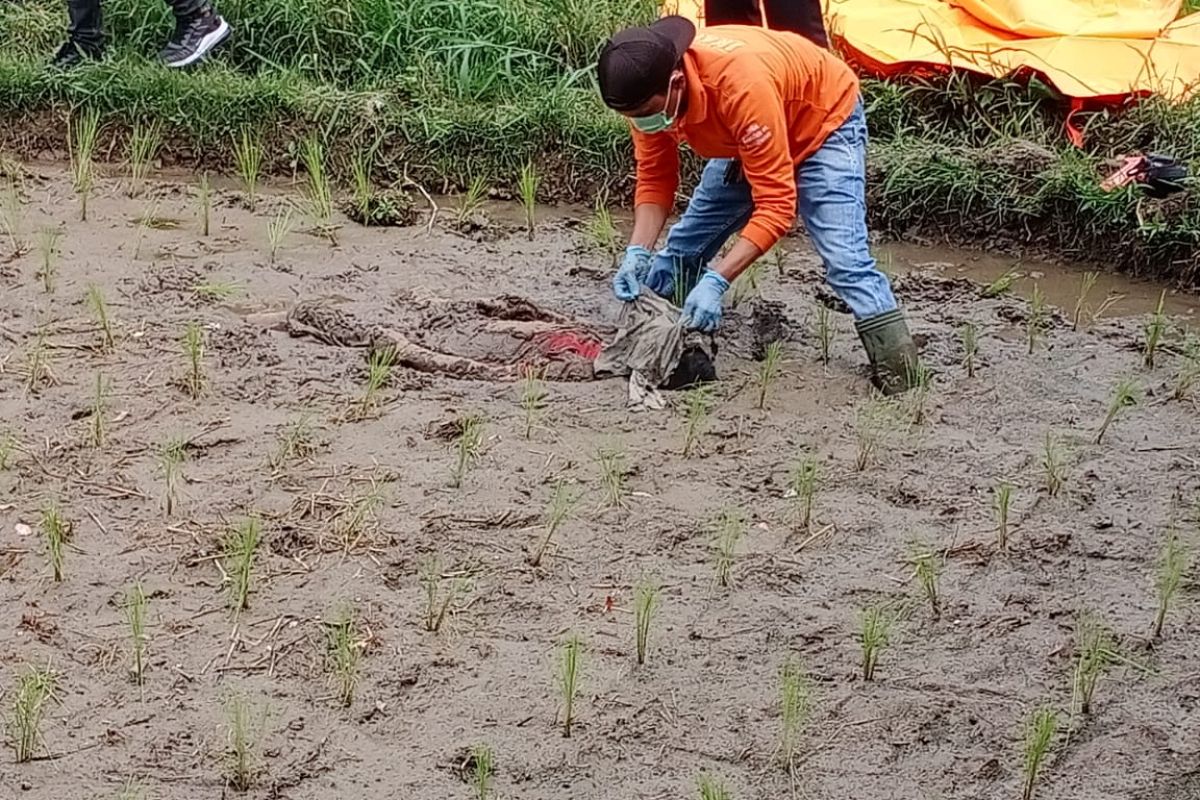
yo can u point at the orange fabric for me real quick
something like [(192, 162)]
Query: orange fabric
[(1096, 50), (768, 98)]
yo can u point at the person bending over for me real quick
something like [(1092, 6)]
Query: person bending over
[(198, 30), (782, 124)]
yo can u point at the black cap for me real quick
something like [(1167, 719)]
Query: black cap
[(637, 63)]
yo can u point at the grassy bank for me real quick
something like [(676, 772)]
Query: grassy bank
[(462, 88)]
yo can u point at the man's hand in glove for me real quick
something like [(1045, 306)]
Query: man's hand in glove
[(633, 270), (702, 309)]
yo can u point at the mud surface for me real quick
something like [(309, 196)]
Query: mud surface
[(942, 719)]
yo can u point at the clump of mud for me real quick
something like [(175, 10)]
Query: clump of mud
[(387, 207)]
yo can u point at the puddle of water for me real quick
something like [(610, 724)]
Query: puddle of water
[(1060, 283)]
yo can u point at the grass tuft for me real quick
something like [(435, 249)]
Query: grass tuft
[(730, 528), (874, 636), (239, 550), (1039, 735), (379, 373), (1153, 332), (768, 371), (468, 448), (1127, 393), (144, 143), (1054, 464), (1094, 653), (795, 704), (242, 757), (1085, 287), (1001, 286), (612, 474), (48, 249), (484, 767), (1002, 505), (248, 159), (712, 788), (170, 458), (57, 532), (438, 604), (278, 229), (134, 608), (99, 306), (562, 503), (1174, 560), (345, 654), (697, 406), (1038, 318), (82, 133), (824, 331), (927, 565), (193, 353), (645, 604), (527, 185), (36, 688), (805, 480), (204, 201), (569, 675), (533, 397), (969, 334), (98, 413)]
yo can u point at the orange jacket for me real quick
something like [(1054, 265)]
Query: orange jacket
[(769, 98)]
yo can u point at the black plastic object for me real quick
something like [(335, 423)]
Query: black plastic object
[(1162, 175), (695, 366)]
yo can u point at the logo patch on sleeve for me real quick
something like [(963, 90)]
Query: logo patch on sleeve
[(755, 135)]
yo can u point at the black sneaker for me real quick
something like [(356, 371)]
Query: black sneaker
[(195, 37), (72, 54)]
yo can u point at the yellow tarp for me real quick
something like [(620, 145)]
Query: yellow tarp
[(1086, 48)]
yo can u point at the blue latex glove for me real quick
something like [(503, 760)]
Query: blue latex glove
[(702, 309), (633, 270), (661, 279)]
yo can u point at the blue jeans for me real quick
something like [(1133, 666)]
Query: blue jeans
[(832, 201)]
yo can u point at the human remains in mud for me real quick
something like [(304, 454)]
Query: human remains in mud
[(782, 123), (499, 339)]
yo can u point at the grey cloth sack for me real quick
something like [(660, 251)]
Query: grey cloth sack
[(649, 341)]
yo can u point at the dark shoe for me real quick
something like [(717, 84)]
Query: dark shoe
[(195, 37), (895, 365), (72, 54)]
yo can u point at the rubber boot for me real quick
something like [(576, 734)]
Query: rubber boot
[(891, 351)]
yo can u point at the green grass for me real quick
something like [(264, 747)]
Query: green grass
[(460, 88), (35, 689)]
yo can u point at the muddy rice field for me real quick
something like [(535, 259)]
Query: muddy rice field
[(136, 463)]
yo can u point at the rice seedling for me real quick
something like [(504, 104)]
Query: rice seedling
[(12, 215), (730, 528), (1002, 504), (1094, 649), (1110, 300), (239, 550), (35, 690), (920, 377), (969, 334), (747, 284), (601, 229), (438, 605), (1054, 464), (468, 448), (1189, 370), (380, 362), (1153, 331), (37, 365), (82, 134), (1001, 286), (216, 291), (247, 159), (1174, 560), (1085, 287), (1039, 734), (874, 636), (570, 667), (527, 185), (193, 353), (297, 440), (149, 219), (1037, 319), (805, 479), (48, 249), (242, 766), (134, 608), (204, 200), (344, 655), (1127, 392), (132, 791), (320, 192), (144, 142), (927, 565), (353, 521), (533, 397), (562, 503), (712, 788), (645, 604), (471, 201), (97, 426), (57, 532), (768, 371), (278, 229), (170, 458), (697, 406), (612, 474), (823, 329), (99, 306), (483, 763), (872, 420), (795, 704)]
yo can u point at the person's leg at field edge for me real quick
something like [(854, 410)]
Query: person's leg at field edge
[(199, 29), (716, 211), (832, 202), (85, 34)]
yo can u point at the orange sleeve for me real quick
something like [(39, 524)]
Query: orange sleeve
[(753, 111), (657, 168)]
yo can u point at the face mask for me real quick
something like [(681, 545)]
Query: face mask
[(656, 123)]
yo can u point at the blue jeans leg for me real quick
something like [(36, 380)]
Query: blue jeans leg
[(714, 213), (832, 198)]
